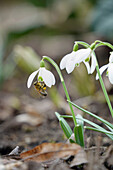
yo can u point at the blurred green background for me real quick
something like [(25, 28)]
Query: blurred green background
[(30, 29)]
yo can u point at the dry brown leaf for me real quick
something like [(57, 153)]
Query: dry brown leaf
[(50, 151), (108, 159), (79, 159)]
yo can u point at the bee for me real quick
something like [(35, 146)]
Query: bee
[(40, 86)]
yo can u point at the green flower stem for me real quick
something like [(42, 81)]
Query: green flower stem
[(104, 90), (64, 86), (100, 43)]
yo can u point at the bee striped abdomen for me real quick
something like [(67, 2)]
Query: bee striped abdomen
[(40, 87)]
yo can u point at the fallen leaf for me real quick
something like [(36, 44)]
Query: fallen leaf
[(108, 159), (79, 159), (50, 151), (15, 151)]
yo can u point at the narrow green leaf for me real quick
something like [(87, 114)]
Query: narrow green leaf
[(98, 130), (93, 124), (79, 137), (91, 114), (98, 127), (72, 141), (66, 116), (64, 125), (80, 120), (109, 128), (76, 133)]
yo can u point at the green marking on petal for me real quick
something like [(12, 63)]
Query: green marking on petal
[(107, 73), (87, 59), (40, 78), (77, 65)]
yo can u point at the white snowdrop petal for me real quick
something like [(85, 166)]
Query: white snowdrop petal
[(65, 59), (110, 73), (48, 77), (82, 55), (93, 63), (88, 67), (70, 65), (102, 69), (41, 71), (31, 77), (111, 57)]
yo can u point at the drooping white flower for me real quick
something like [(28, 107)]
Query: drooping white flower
[(109, 68), (73, 59), (45, 74), (66, 59)]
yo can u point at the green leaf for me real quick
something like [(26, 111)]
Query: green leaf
[(80, 129), (79, 137), (72, 141), (93, 124), (92, 114), (64, 125), (80, 120), (109, 128), (98, 130), (98, 127)]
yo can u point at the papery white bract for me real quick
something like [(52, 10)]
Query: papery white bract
[(72, 59), (109, 68), (46, 75)]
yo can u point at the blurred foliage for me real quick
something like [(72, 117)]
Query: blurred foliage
[(41, 3), (101, 18), (26, 58), (21, 20), (85, 83)]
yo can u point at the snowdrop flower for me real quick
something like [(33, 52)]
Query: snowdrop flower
[(43, 74), (109, 68), (73, 59)]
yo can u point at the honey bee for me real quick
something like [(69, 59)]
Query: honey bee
[(40, 86)]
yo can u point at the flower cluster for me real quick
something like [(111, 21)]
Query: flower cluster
[(69, 62), (73, 59)]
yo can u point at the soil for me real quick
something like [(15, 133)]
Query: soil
[(27, 122)]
